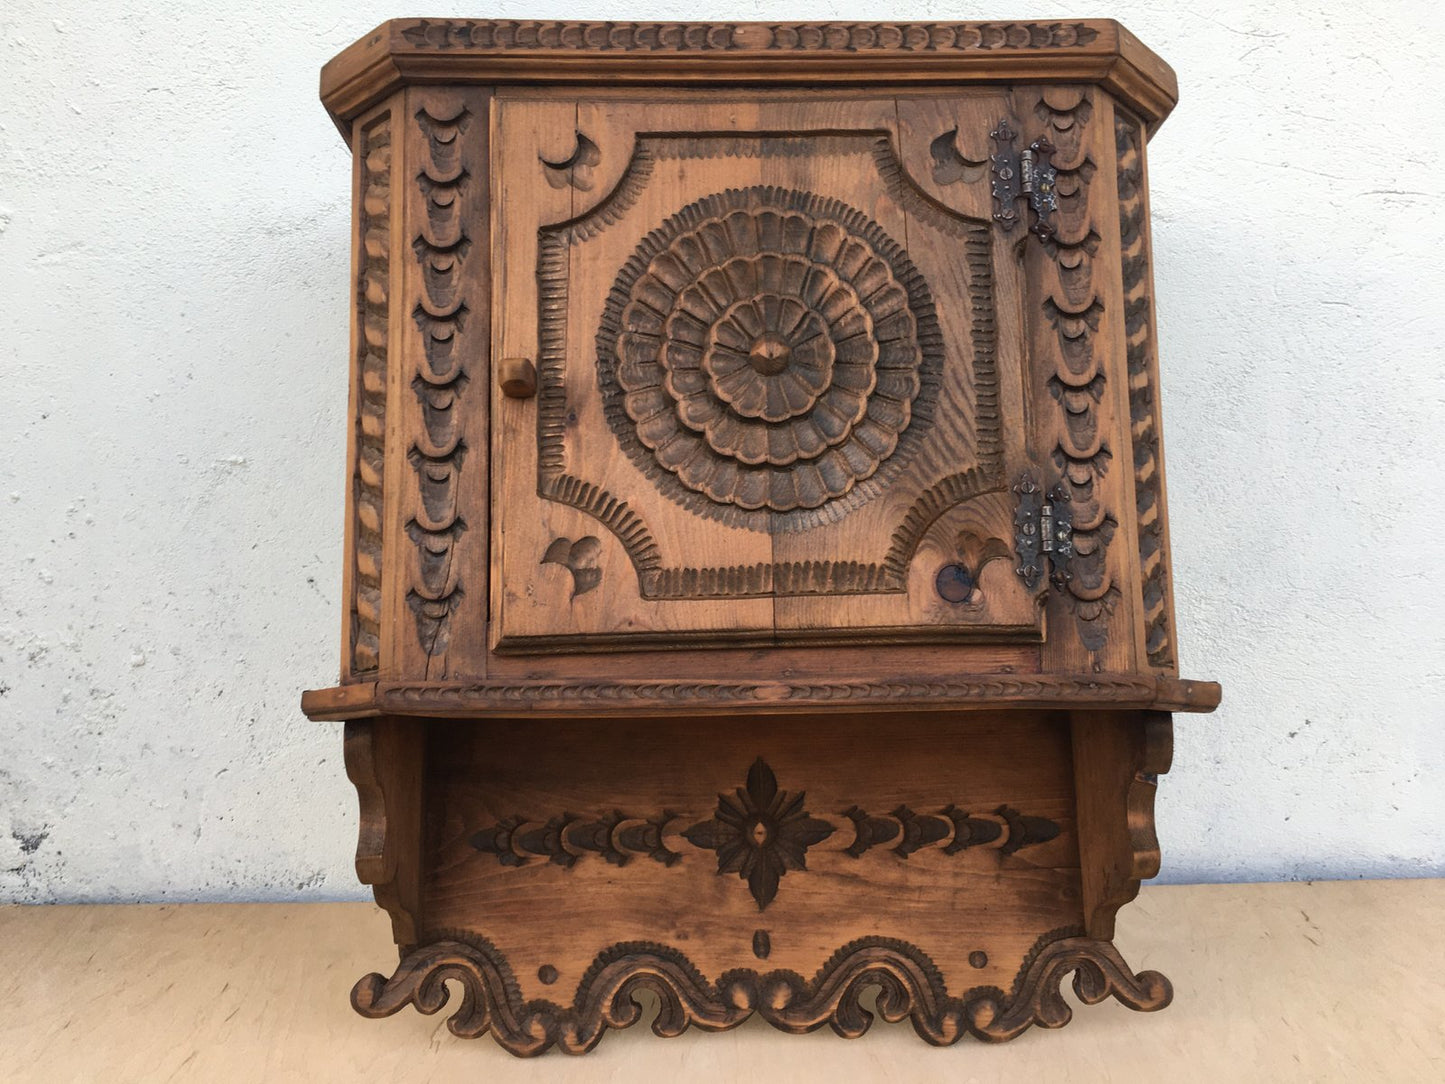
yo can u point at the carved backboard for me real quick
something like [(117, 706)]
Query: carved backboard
[(775, 395)]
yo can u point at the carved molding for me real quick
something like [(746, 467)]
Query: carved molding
[(546, 35), (1143, 396), (889, 428), (605, 697), (373, 287), (440, 380), (910, 987)]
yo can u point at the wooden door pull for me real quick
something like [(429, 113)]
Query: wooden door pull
[(519, 378)]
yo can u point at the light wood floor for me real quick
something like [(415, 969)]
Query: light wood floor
[(1283, 982)]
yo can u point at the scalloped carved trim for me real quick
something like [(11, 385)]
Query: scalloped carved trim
[(1074, 310), (910, 986), (440, 381)]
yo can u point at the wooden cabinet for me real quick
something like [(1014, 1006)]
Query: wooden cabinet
[(757, 563)]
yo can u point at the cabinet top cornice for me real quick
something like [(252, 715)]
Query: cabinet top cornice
[(510, 51)]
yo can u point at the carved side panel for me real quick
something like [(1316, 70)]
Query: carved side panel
[(1073, 380), (441, 390), (368, 439), (1157, 593)]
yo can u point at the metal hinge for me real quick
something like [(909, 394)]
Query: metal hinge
[(1043, 532), (1027, 174)]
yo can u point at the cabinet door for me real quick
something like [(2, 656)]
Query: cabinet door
[(778, 376)]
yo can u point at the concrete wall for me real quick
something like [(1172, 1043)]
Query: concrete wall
[(173, 321)]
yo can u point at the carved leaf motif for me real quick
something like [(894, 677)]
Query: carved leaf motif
[(576, 169), (580, 558), (950, 164)]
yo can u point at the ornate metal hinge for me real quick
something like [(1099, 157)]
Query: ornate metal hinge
[(1043, 532), (1028, 174)]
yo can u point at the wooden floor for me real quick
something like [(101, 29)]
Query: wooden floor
[(1325, 981)]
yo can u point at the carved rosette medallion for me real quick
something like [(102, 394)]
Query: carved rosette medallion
[(762, 354)]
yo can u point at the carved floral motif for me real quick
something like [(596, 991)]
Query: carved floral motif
[(761, 347), (760, 834)]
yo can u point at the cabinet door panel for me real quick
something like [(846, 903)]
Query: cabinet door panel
[(777, 389)]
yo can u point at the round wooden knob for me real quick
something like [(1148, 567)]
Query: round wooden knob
[(518, 378)]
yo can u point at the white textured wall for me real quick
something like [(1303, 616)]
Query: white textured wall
[(173, 321)]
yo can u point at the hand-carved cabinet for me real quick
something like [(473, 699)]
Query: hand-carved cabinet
[(757, 580)]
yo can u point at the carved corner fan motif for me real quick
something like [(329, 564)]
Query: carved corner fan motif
[(759, 832), (764, 349)]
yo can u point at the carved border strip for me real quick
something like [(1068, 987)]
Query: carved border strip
[(441, 248), (1073, 309), (1124, 689), (1143, 397), (910, 986), (760, 832), (368, 473), (760, 580), (517, 34)]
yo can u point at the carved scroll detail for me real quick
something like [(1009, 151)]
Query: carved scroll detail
[(1143, 396), (368, 474), (1073, 311), (440, 314), (910, 987)]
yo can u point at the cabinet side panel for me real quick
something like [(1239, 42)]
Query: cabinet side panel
[(366, 444), (1156, 589), (437, 596)]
